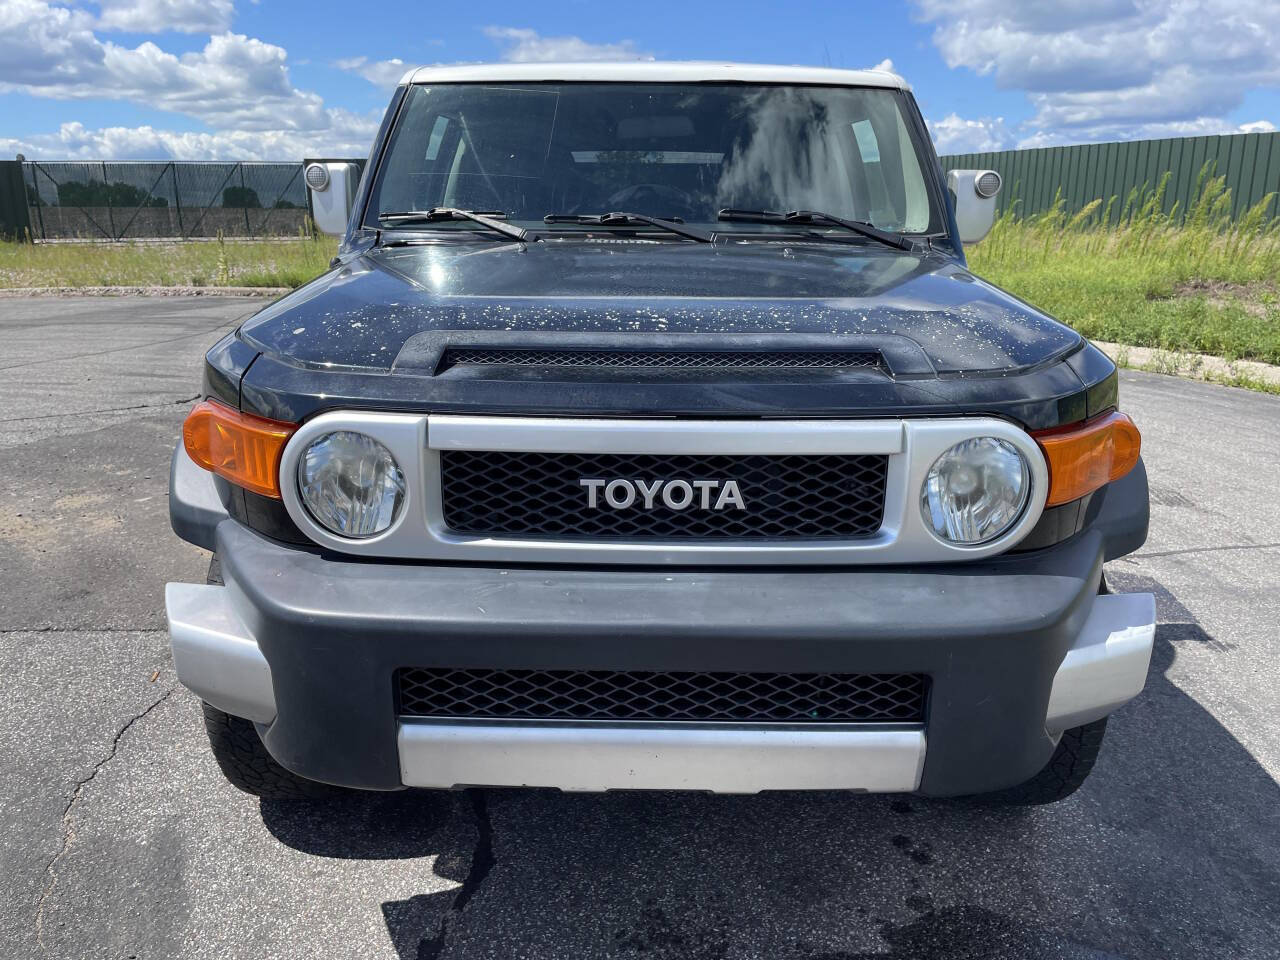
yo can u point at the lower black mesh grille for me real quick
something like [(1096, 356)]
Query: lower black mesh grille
[(661, 696), (670, 359), (488, 493)]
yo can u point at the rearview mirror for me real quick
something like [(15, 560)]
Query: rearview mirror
[(332, 189), (973, 194)]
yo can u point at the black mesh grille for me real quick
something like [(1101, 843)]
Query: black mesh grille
[(685, 696), (667, 359), (539, 494)]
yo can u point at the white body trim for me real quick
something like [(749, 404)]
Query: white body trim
[(214, 654), (420, 531), (654, 71), (331, 204), (1107, 665), (975, 214), (644, 756)]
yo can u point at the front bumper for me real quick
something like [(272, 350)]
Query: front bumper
[(1017, 648)]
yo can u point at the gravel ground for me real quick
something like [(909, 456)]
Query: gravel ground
[(122, 840)]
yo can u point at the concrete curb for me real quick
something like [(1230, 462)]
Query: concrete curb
[(1194, 366)]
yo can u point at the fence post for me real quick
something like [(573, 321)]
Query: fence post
[(35, 184), (106, 189), (15, 213), (177, 197), (244, 198)]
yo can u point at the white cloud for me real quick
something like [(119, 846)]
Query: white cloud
[(521, 44), (955, 134), (156, 16), (73, 141), (381, 73), (1107, 69), (1257, 126), (237, 85), (1200, 127), (234, 81)]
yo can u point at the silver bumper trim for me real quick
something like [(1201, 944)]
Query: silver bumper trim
[(1106, 667), (617, 756), (214, 654)]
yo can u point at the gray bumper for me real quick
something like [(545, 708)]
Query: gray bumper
[(219, 659)]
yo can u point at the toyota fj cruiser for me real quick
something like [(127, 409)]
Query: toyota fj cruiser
[(650, 432)]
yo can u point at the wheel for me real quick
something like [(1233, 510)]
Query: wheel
[(1062, 776), (243, 759)]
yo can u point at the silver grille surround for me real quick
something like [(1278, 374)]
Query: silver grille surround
[(420, 533)]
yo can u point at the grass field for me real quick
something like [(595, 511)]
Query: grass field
[(216, 263), (1199, 284), (1206, 285)]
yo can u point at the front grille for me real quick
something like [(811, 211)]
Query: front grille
[(488, 493), (662, 359), (661, 696)]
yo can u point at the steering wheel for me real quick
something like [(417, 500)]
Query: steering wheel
[(658, 198)]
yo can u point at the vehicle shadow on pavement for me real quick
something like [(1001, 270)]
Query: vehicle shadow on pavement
[(1170, 850)]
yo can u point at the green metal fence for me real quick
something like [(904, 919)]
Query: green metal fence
[(1250, 162), (122, 201)]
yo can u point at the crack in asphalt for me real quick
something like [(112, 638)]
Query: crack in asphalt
[(482, 861), (1180, 553), (49, 629), (87, 413), (68, 823)]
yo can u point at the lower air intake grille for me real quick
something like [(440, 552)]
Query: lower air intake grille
[(668, 359), (539, 495), (659, 696)]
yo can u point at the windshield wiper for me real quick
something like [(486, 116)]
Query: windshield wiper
[(860, 227), (482, 217), (629, 219)]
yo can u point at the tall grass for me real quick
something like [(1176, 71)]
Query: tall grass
[(1126, 270), (226, 263)]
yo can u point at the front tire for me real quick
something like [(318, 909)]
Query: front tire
[(245, 763), (1063, 775)]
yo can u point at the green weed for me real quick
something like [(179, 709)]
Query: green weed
[(1206, 284)]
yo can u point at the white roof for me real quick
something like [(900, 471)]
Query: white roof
[(653, 71)]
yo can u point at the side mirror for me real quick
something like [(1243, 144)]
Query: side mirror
[(332, 189), (973, 192)]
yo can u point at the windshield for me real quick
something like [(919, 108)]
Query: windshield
[(682, 151)]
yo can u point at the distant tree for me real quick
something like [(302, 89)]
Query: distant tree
[(95, 193), (241, 197), (283, 204)]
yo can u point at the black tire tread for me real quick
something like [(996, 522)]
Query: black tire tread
[(244, 761), (1063, 775)]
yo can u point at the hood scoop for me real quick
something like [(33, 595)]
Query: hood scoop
[(632, 360), (600, 357)]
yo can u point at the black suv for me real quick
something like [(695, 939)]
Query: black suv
[(650, 432)]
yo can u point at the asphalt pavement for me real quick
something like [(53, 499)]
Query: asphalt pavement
[(120, 839)]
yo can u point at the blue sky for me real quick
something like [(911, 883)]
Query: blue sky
[(237, 79)]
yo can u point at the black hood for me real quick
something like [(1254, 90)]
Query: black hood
[(361, 316)]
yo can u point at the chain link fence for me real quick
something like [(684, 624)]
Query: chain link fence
[(92, 200)]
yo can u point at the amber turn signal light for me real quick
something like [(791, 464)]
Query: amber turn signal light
[(1088, 456), (239, 446)]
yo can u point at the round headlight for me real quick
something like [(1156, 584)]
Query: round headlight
[(975, 491), (351, 484)]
